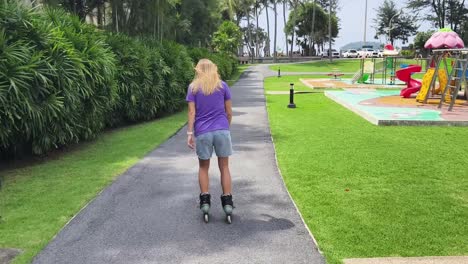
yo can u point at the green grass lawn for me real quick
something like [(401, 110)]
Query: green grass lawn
[(351, 65), (283, 83), (369, 191)]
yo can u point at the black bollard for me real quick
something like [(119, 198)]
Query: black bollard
[(291, 97), (279, 72)]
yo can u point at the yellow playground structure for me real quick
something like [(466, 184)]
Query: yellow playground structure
[(452, 77), (426, 83)]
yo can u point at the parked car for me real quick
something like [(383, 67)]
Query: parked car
[(368, 53), (380, 53), (351, 53), (335, 53)]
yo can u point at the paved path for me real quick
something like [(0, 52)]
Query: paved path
[(150, 214)]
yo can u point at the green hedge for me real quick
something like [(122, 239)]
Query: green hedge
[(63, 81), (139, 82), (57, 80)]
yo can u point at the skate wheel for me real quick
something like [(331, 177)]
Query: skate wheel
[(206, 218), (228, 219)]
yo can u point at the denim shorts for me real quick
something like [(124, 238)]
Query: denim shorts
[(220, 140)]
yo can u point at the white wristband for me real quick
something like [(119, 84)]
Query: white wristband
[(189, 133)]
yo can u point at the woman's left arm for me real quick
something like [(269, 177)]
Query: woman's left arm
[(191, 121)]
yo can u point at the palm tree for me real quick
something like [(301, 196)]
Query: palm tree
[(244, 9), (276, 30), (294, 5), (266, 5), (257, 6), (247, 7), (180, 25), (284, 19), (312, 33)]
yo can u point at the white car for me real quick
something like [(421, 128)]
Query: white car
[(351, 53), (325, 54), (369, 53), (380, 53)]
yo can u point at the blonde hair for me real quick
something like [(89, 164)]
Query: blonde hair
[(206, 77)]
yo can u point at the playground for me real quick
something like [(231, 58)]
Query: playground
[(385, 92)]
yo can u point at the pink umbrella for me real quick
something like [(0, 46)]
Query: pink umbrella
[(444, 39)]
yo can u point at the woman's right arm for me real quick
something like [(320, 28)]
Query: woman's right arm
[(228, 109), (191, 121)]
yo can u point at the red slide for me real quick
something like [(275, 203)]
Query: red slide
[(412, 85)]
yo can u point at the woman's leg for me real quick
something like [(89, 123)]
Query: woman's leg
[(203, 178), (223, 163)]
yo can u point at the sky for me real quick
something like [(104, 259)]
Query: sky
[(351, 17)]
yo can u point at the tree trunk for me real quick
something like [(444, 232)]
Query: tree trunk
[(312, 40), (285, 34), (293, 31), (256, 34), (311, 44), (443, 13), (275, 55), (159, 20), (104, 12), (72, 5), (162, 28), (81, 10), (155, 28), (292, 43), (330, 54), (117, 19), (99, 13), (249, 34), (268, 30), (440, 12)]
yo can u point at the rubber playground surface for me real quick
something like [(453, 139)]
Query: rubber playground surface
[(386, 107), (346, 83)]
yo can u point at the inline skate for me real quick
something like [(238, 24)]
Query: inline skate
[(228, 206), (205, 204)]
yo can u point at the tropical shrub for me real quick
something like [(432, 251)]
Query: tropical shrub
[(56, 82), (97, 92), (178, 76), (227, 38), (139, 85)]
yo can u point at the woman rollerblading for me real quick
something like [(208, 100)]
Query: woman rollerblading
[(209, 120)]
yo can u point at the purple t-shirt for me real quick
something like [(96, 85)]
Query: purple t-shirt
[(210, 113)]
